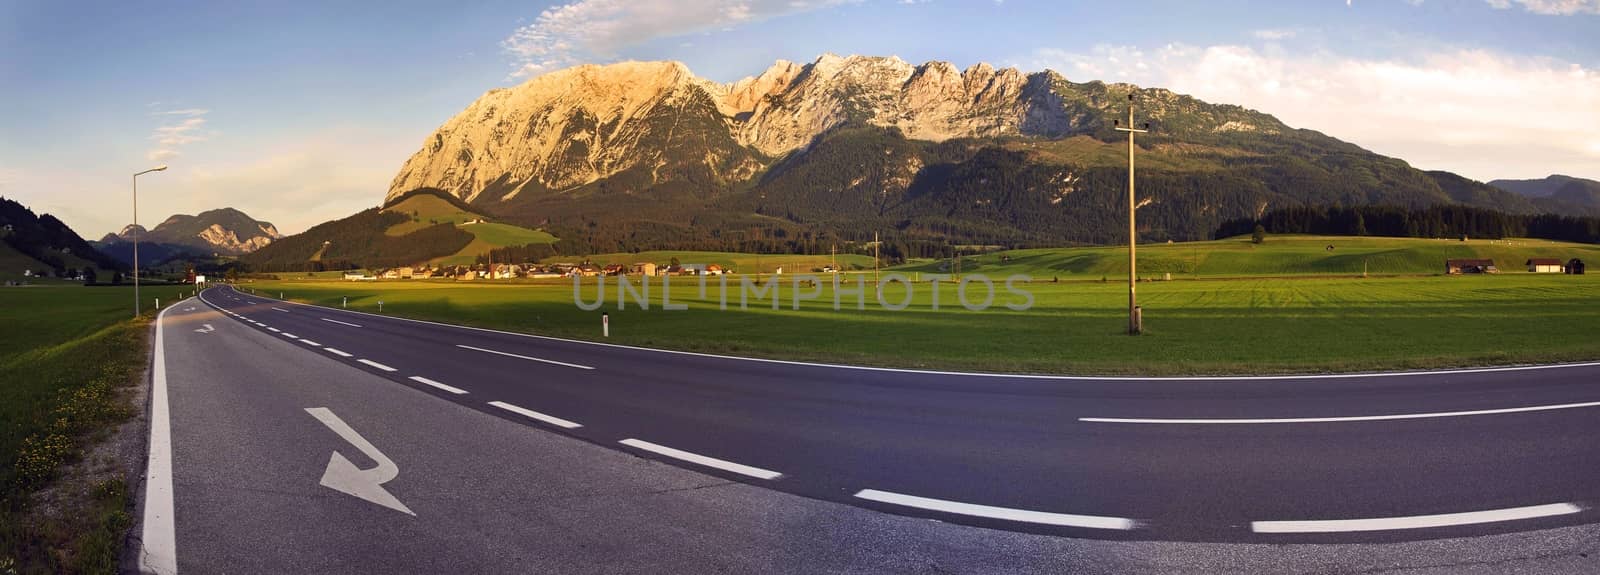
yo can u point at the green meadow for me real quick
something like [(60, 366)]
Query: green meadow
[(65, 354), (1204, 325)]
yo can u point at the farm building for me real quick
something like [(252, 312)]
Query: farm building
[(645, 268), (1544, 266), (1470, 266), (1575, 266)]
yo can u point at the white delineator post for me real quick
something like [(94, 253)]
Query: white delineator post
[(605, 325)]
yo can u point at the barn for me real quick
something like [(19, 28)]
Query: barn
[(1470, 266), (1545, 266)]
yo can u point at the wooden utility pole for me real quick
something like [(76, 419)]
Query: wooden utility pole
[(875, 245), (1135, 318)]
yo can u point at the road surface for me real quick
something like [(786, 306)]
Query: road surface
[(308, 439)]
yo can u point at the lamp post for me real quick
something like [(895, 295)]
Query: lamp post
[(136, 235), (1135, 318)]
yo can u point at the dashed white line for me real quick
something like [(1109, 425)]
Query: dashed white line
[(290, 335), (1340, 419), (696, 458), (336, 352), (273, 329), (1006, 513), (429, 382), (550, 361), (1415, 521), (310, 343), (340, 322), (550, 419), (280, 309), (376, 364)]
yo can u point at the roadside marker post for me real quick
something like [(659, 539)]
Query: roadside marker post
[(605, 325), (158, 303), (345, 302), (380, 306)]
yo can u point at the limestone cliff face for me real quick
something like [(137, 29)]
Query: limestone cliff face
[(659, 122)]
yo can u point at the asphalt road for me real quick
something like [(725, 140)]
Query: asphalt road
[(490, 451)]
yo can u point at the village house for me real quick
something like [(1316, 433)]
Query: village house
[(646, 268), (406, 273), (1470, 266), (714, 270), (1545, 266), (614, 270), (1575, 266), (586, 270)]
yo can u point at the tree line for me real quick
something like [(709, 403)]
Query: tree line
[(1439, 221)]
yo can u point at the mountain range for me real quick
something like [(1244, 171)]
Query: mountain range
[(639, 155), (219, 232), (1555, 191)]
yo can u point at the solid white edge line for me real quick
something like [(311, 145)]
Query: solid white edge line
[(309, 342), (339, 322), (1416, 521), (337, 352), (1006, 513), (429, 382), (551, 361), (281, 309), (376, 364), (1339, 419), (696, 458), (976, 373), (550, 419), (158, 551)]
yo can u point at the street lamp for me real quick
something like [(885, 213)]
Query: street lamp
[(136, 235), (1135, 318)]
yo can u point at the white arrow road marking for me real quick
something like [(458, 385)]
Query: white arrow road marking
[(207, 329), (344, 477)]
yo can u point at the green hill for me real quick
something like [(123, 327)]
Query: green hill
[(430, 207), (1278, 255), (422, 226)]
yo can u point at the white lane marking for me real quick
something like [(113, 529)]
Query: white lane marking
[(1006, 513), (1340, 419), (290, 335), (159, 542), (978, 373), (340, 322), (336, 352), (551, 361), (273, 329), (280, 309), (1415, 521), (550, 419), (310, 343), (206, 329), (376, 364), (426, 381), (713, 462), (344, 477)]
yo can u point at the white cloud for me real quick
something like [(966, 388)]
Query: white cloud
[(1275, 34), (1551, 7), (170, 137), (587, 30), (1478, 113)]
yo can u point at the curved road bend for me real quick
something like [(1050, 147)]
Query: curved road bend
[(1364, 458)]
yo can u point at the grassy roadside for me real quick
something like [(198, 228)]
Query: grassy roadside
[(69, 359), (1201, 326)]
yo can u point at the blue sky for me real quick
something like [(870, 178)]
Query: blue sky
[(298, 113)]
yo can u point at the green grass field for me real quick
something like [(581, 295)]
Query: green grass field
[(64, 352), (1279, 255), (1261, 325)]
